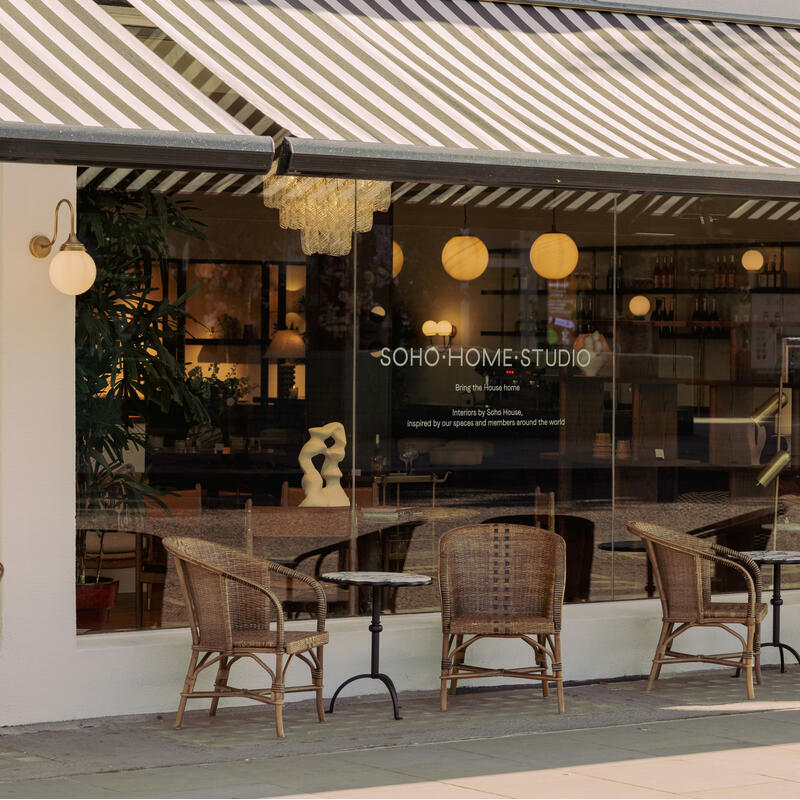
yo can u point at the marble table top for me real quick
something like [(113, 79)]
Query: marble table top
[(774, 556), (376, 578)]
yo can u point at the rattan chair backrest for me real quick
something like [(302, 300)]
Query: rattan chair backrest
[(218, 603), (681, 568), (496, 570)]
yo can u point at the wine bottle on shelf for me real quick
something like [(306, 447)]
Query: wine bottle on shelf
[(696, 317), (704, 317), (589, 315), (670, 274), (763, 277), (730, 283), (773, 273), (670, 317), (658, 316), (713, 316), (620, 276), (717, 275), (782, 276)]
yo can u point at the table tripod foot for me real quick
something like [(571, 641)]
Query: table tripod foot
[(387, 682), (781, 647), (384, 679), (342, 685)]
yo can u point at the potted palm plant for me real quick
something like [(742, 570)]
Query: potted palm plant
[(125, 336)]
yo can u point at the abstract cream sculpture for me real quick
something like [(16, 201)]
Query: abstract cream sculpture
[(323, 488)]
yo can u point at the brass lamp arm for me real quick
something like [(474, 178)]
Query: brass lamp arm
[(40, 245)]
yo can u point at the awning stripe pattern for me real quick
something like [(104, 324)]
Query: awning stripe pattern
[(67, 62), (503, 76)]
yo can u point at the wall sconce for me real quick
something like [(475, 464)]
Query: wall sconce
[(72, 270), (429, 328), (769, 407), (773, 469), (446, 330), (639, 306)]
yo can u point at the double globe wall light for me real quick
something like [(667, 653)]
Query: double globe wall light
[(72, 270)]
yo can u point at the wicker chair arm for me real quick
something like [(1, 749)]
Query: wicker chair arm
[(270, 595), (736, 566), (746, 562), (279, 569)]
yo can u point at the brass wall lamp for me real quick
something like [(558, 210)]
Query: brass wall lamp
[(72, 270)]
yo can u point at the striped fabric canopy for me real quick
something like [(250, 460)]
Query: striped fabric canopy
[(489, 75), (67, 62)]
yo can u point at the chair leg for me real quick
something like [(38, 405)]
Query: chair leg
[(661, 649), (558, 672), (541, 661), (446, 669), (188, 688), (223, 670), (317, 681), (457, 659), (278, 694), (757, 652), (747, 659)]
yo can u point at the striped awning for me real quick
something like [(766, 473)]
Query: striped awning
[(67, 62), (503, 76)]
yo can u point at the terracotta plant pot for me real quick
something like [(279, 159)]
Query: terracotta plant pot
[(93, 601)]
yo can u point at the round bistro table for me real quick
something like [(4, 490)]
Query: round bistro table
[(777, 558), (377, 580)]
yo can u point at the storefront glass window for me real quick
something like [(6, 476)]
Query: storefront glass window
[(575, 360)]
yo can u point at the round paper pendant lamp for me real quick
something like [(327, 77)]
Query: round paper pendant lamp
[(753, 260), (465, 257), (639, 306), (397, 259), (554, 256)]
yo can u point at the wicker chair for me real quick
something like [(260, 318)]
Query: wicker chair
[(682, 566), (501, 581), (234, 614)]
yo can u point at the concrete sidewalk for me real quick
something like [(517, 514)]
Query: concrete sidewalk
[(691, 737)]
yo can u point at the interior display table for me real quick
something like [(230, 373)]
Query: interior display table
[(777, 558), (377, 580), (414, 477)]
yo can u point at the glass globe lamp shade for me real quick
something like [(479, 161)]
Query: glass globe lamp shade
[(639, 306), (397, 259), (444, 328), (72, 271), (429, 327), (753, 260), (465, 258), (554, 256)]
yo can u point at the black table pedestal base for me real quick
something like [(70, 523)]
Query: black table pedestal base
[(385, 679), (781, 647), (375, 628)]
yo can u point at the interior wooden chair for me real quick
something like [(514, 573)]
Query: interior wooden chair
[(151, 560), (234, 614), (502, 581), (544, 509), (365, 495), (682, 567)]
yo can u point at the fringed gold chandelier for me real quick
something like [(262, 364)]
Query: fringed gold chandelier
[(323, 209)]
